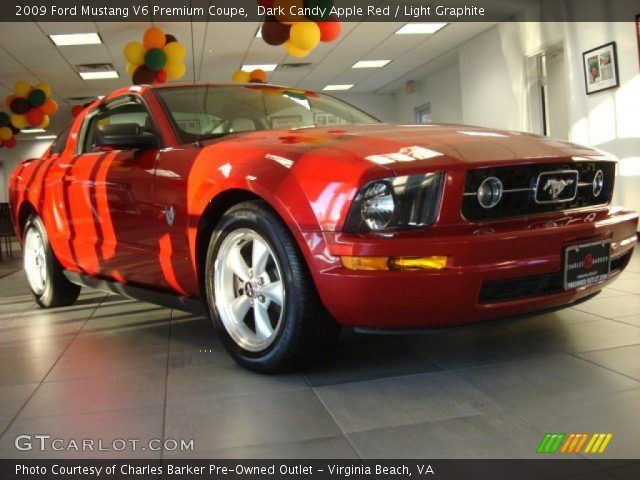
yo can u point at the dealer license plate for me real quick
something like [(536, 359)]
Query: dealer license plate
[(586, 264)]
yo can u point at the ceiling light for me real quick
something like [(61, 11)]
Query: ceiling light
[(420, 28), (98, 75), (370, 64), (76, 39), (45, 137), (338, 87), (33, 130), (267, 67)]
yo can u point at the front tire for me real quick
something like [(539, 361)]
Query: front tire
[(44, 273), (260, 293)]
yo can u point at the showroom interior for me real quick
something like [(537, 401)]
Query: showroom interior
[(111, 367)]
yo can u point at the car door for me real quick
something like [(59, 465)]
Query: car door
[(110, 198)]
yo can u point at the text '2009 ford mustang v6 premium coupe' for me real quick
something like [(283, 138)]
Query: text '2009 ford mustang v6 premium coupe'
[(284, 214)]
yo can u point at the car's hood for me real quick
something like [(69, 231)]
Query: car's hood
[(410, 147)]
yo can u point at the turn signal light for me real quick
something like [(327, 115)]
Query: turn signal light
[(436, 262)]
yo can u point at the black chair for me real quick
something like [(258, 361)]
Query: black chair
[(6, 230)]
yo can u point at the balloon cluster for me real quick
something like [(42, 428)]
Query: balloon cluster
[(256, 76), (7, 131), (158, 58), (298, 34), (31, 106)]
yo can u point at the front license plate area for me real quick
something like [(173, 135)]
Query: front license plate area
[(586, 264)]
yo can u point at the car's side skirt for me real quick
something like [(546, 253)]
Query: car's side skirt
[(157, 297)]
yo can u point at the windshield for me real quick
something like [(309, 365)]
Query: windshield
[(212, 111)]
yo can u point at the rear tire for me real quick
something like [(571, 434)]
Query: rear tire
[(260, 293), (45, 275)]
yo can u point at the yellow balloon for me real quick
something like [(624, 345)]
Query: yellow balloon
[(175, 70), (45, 122), (45, 88), (295, 51), (19, 121), (134, 53), (240, 76), (175, 52), (131, 68), (5, 133), (305, 35), (22, 89)]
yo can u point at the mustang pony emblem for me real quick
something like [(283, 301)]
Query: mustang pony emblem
[(169, 215), (555, 187)]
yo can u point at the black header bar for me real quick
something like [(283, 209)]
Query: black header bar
[(345, 10)]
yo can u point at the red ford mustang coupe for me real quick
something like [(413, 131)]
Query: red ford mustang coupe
[(284, 214)]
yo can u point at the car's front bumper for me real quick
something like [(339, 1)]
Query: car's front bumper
[(528, 254)]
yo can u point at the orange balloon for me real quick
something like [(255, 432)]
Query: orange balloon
[(49, 107), (154, 37), (258, 76)]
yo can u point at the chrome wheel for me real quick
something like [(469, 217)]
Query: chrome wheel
[(35, 265), (249, 289)]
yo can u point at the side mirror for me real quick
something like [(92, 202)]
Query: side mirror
[(125, 136)]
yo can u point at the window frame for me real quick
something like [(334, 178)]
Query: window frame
[(109, 105)]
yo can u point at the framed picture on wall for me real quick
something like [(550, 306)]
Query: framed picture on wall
[(601, 68)]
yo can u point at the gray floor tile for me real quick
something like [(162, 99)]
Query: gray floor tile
[(142, 424), (402, 400), (97, 395), (475, 346), (33, 347), (316, 448), (610, 413), (250, 420), (224, 378), (24, 328), (104, 363), (192, 333), (612, 307), (17, 371), (547, 379), (498, 435), (12, 397), (586, 336), (367, 357), (633, 320), (629, 283), (120, 340), (625, 360), (611, 292), (567, 316)]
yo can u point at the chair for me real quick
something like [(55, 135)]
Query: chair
[(6, 230)]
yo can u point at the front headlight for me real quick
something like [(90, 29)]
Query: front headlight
[(395, 203)]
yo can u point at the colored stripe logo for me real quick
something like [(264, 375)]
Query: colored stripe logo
[(574, 443)]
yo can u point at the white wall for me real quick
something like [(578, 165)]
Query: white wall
[(440, 89), (10, 157), (381, 106)]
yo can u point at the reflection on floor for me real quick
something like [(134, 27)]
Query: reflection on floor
[(110, 368)]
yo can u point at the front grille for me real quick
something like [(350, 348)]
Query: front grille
[(533, 286), (519, 183)]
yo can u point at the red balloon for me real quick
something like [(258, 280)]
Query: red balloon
[(76, 110), (35, 117), (10, 143), (161, 76), (329, 31)]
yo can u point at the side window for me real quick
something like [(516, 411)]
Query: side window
[(130, 111), (60, 142)]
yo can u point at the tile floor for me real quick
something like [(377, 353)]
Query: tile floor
[(109, 368)]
